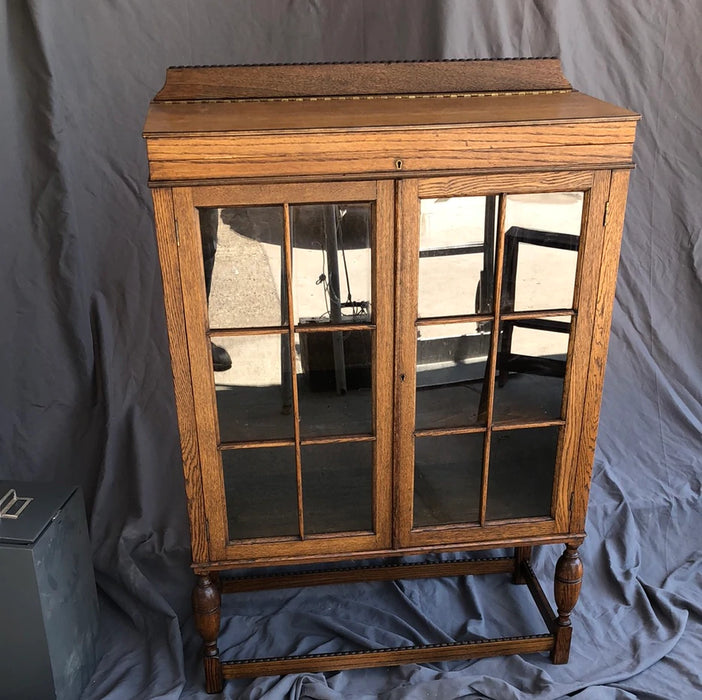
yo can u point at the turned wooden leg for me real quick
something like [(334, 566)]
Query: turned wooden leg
[(520, 554), (206, 606), (569, 576)]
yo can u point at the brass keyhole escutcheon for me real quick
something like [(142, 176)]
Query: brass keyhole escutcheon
[(398, 164)]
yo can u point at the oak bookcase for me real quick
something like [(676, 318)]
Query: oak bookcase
[(388, 290)]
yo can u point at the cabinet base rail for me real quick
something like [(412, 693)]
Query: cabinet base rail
[(568, 575), (393, 656)]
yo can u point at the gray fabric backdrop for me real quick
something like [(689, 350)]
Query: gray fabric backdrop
[(85, 387)]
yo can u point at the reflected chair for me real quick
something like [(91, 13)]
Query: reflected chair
[(507, 361)]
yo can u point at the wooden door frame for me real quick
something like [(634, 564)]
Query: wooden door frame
[(202, 419), (570, 461)]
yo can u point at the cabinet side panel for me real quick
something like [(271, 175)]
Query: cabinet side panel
[(192, 280), (600, 342), (180, 364), (587, 279)]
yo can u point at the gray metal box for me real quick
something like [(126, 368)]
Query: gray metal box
[(48, 601)]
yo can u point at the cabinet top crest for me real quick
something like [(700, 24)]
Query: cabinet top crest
[(309, 80), (272, 101)]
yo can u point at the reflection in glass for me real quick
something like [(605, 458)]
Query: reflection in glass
[(334, 382), (451, 367), (261, 492), (456, 256), (522, 465), (337, 487), (542, 237), (531, 368), (331, 263), (242, 250), (254, 397), (447, 474)]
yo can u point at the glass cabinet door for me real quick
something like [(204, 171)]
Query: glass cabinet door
[(293, 347), (489, 332)]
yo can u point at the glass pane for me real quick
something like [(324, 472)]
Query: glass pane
[(447, 474), (261, 492), (531, 369), (242, 250), (542, 236), (456, 256), (331, 263), (522, 465), (337, 487), (451, 367), (334, 382), (254, 395)]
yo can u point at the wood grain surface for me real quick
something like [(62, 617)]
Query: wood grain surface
[(305, 80), (589, 258), (565, 113), (180, 366), (387, 657), (192, 282), (382, 572), (604, 302)]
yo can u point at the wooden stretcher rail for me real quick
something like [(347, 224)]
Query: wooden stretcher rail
[(378, 572), (395, 656), (557, 640), (537, 593), (391, 656)]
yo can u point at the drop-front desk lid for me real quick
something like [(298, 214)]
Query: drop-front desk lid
[(27, 508)]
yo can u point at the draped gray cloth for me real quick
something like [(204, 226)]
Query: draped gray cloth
[(85, 386)]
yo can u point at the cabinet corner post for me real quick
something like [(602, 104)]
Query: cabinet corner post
[(521, 555), (567, 582), (207, 600)]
